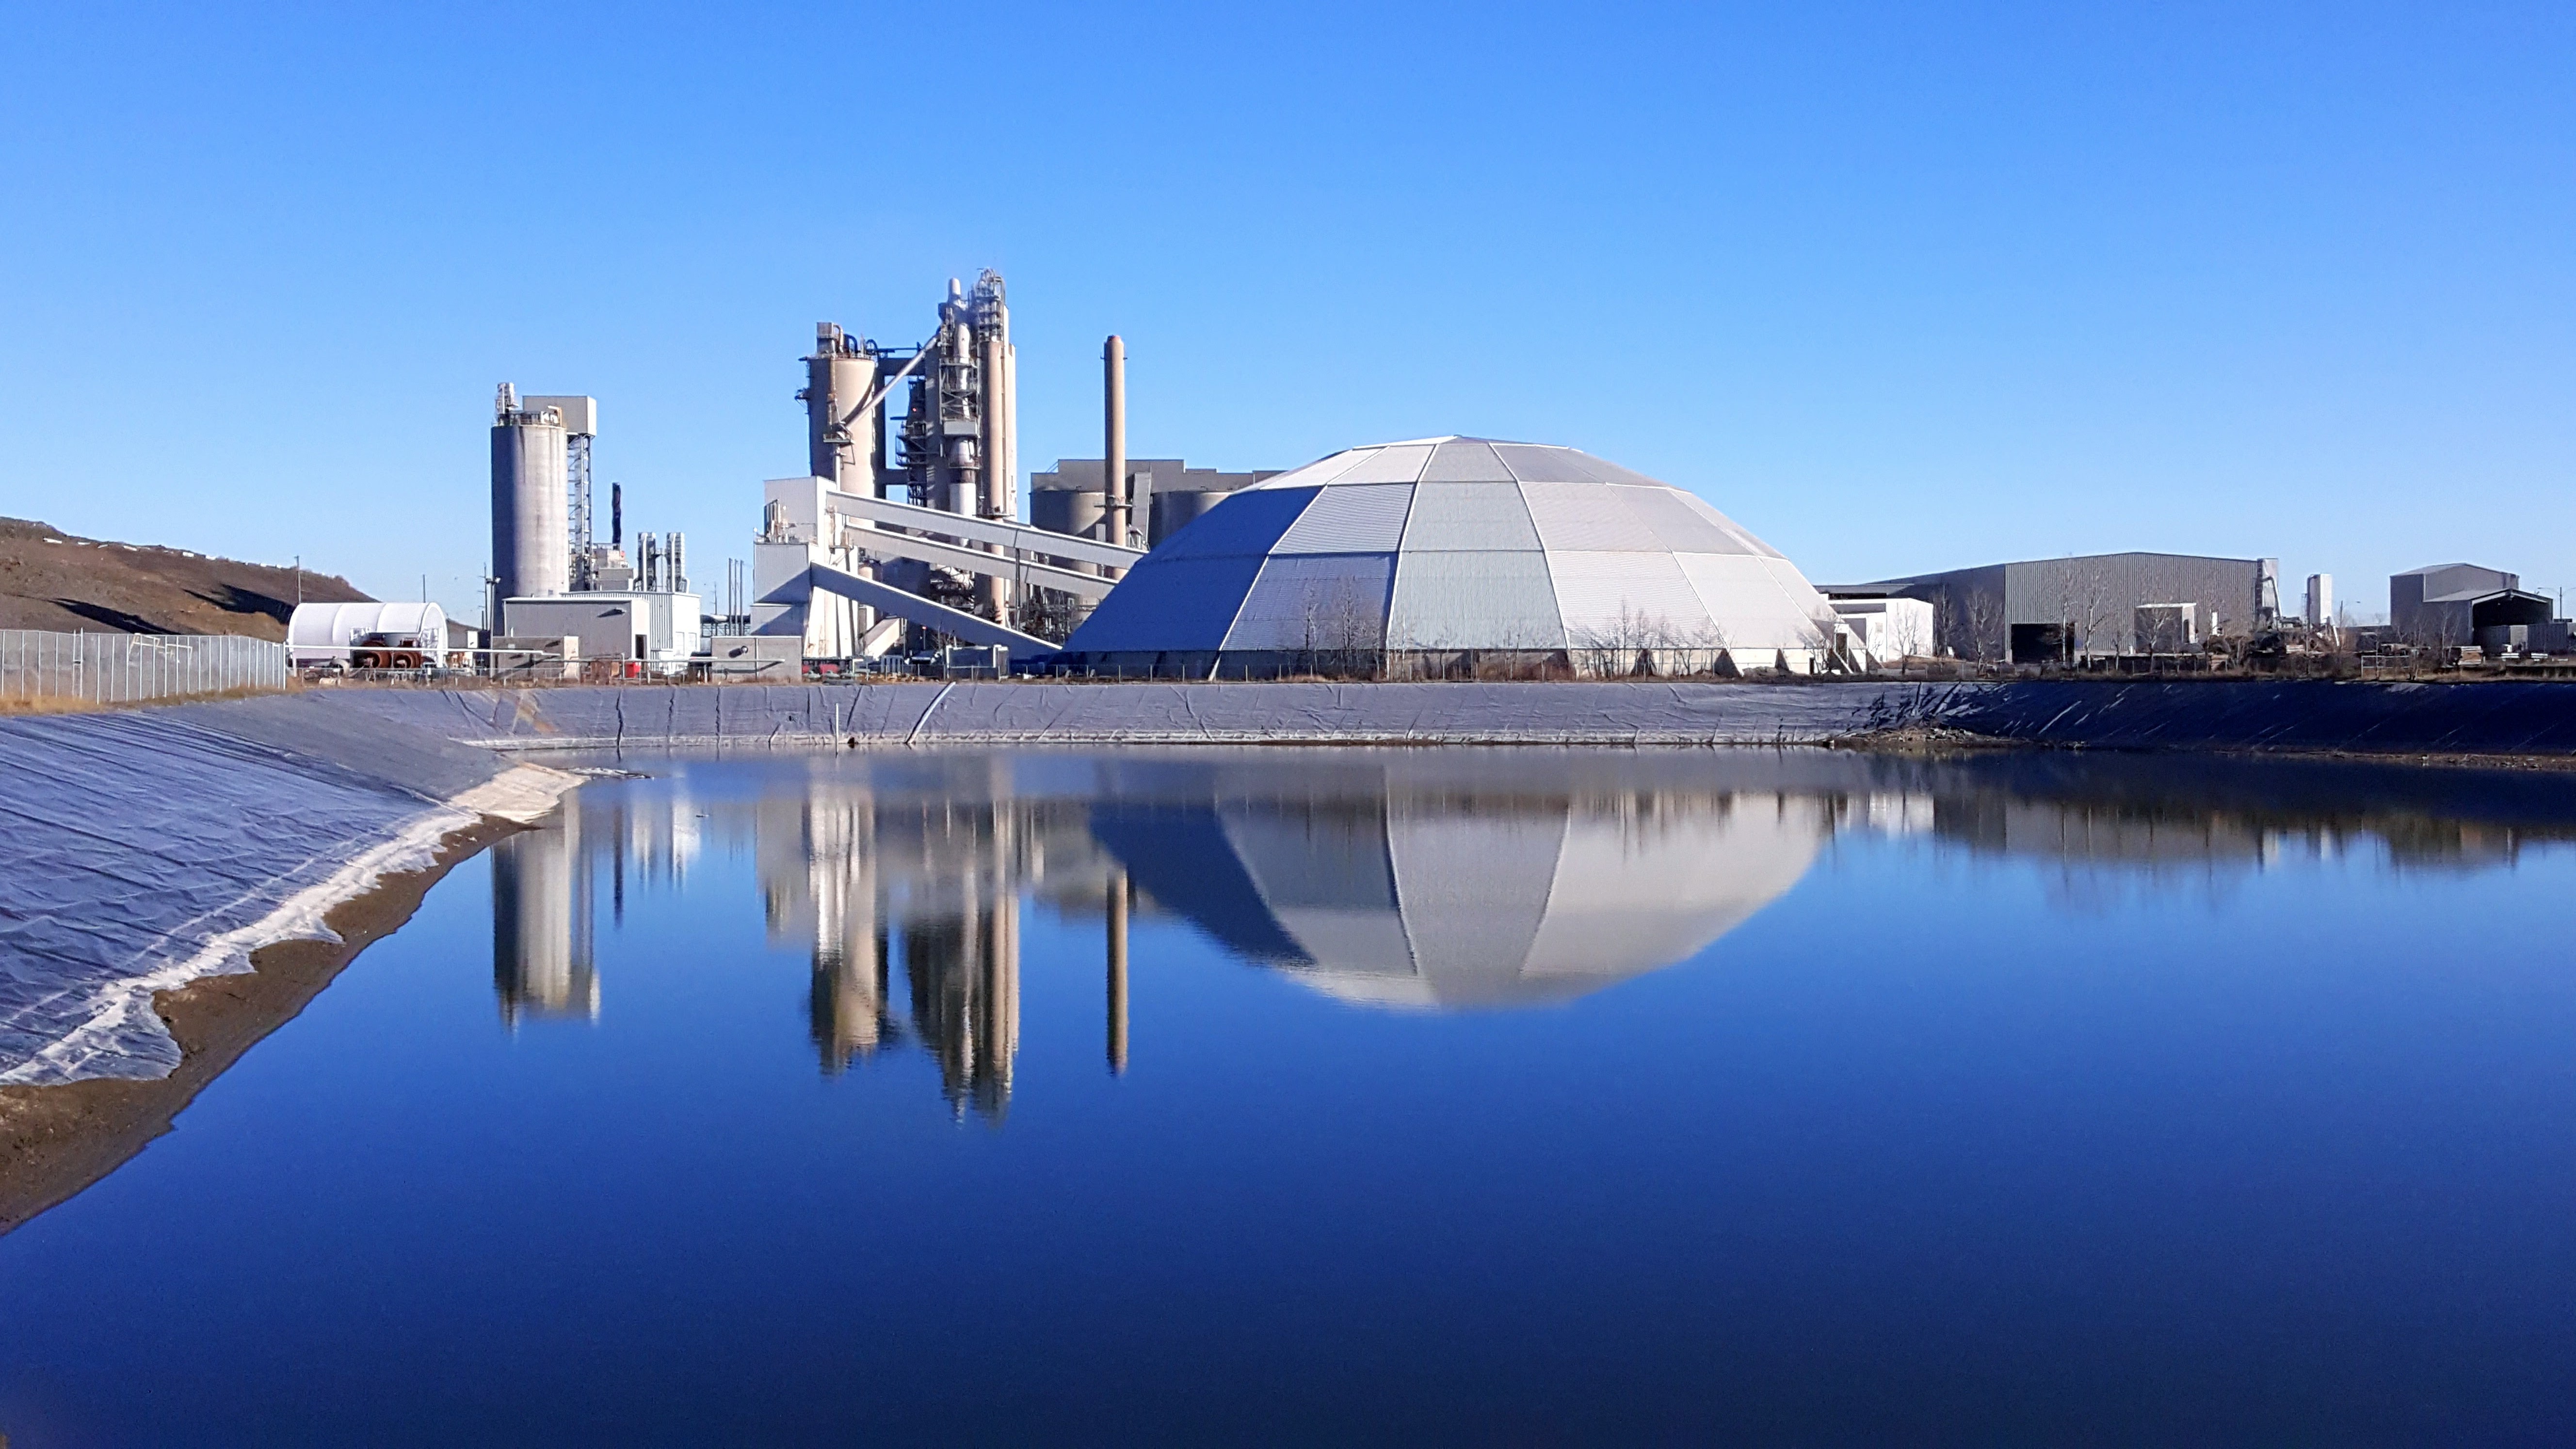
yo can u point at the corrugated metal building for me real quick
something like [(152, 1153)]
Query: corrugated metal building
[(2045, 610), (1432, 555)]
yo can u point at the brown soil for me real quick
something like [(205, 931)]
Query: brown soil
[(56, 1141), (51, 580)]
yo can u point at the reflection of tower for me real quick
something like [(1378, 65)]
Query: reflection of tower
[(1117, 910), (961, 952), (542, 961), (848, 1000)]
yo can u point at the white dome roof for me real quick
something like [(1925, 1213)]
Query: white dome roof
[(1458, 544)]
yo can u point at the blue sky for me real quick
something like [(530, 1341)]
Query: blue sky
[(1899, 287)]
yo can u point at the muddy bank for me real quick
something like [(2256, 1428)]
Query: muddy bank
[(56, 1141)]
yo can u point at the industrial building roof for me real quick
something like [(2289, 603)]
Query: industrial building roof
[(1457, 544)]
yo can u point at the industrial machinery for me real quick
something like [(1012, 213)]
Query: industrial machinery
[(915, 519)]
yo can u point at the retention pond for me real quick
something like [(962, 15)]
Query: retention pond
[(1437, 1094)]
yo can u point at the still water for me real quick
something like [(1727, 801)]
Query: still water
[(1433, 1095)]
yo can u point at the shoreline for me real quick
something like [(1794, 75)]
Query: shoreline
[(57, 1141)]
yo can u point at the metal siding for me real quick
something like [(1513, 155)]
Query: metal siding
[(1532, 463), (1680, 528), (1319, 472), (1478, 600), (1613, 473), (1247, 523), (1321, 602), (1701, 506), (1749, 605), (1169, 604), (1586, 517), (1593, 589), (1348, 518), (1469, 515), (1390, 465), (1466, 461)]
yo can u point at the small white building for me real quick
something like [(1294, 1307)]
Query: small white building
[(1889, 629), (656, 628)]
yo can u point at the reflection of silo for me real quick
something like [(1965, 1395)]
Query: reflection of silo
[(530, 523), (541, 947), (848, 1003), (964, 973)]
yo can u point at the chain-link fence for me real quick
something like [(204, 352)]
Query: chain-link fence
[(131, 668)]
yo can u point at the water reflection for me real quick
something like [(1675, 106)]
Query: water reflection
[(1420, 880)]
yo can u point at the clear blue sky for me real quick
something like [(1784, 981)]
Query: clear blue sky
[(1900, 287)]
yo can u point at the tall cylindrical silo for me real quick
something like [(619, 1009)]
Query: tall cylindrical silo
[(840, 442), (531, 542)]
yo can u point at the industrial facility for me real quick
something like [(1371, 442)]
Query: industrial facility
[(553, 586), (2453, 606), (902, 549), (2048, 611)]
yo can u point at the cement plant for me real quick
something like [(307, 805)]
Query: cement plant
[(918, 876)]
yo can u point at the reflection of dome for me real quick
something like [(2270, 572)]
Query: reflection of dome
[(1432, 903), (1451, 544)]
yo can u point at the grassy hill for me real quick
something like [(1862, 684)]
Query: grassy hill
[(51, 580)]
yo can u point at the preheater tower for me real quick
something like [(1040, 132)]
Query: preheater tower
[(531, 546)]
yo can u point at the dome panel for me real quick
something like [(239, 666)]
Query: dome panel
[(1469, 516), (1615, 600), (1679, 528), (1182, 604), (1752, 607), (1474, 601), (1321, 471), (1467, 460), (1701, 506), (1531, 463), (1248, 522), (1317, 602), (1587, 516), (1350, 518), (1399, 464)]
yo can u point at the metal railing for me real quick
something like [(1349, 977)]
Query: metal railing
[(133, 668)]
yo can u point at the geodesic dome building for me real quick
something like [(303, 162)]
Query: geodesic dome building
[(1443, 554)]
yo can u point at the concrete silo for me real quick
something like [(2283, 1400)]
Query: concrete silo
[(531, 543)]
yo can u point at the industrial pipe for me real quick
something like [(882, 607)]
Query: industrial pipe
[(1113, 463)]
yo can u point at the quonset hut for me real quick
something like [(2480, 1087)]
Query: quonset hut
[(1451, 555)]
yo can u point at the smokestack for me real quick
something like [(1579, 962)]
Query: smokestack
[(1113, 467)]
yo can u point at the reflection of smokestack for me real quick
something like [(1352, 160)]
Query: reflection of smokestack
[(541, 950), (1117, 972), (1113, 465)]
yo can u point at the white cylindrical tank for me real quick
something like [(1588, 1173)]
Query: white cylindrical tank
[(334, 633), (531, 534)]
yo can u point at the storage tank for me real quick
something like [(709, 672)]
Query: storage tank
[(840, 442), (531, 530), (1074, 511)]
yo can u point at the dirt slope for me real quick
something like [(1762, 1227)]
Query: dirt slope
[(50, 580)]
